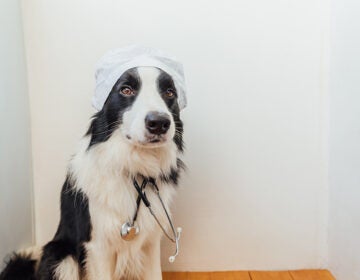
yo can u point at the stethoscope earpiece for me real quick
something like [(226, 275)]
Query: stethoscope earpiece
[(177, 239)]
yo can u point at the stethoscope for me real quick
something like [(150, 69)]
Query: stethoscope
[(130, 230)]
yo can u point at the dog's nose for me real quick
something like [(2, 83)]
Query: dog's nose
[(157, 123)]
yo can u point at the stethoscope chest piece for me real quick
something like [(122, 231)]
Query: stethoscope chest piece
[(129, 232)]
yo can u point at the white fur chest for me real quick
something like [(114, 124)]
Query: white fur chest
[(110, 213), (103, 175), (127, 256)]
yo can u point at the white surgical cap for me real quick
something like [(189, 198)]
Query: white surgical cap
[(114, 63)]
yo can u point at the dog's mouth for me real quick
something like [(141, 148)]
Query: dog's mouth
[(150, 140)]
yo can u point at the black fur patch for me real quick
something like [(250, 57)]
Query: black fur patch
[(74, 229), (19, 268), (173, 176), (165, 82), (110, 117)]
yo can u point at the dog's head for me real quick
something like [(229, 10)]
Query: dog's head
[(143, 105)]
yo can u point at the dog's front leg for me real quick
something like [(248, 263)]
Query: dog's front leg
[(99, 262), (152, 265)]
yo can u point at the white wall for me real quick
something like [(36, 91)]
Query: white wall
[(256, 193), (344, 168), (15, 150)]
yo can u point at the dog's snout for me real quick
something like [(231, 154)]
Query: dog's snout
[(157, 123)]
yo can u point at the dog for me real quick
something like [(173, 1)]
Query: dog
[(137, 134)]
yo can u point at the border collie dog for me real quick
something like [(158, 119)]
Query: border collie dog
[(136, 135)]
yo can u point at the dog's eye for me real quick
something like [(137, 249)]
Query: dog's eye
[(127, 91), (170, 93)]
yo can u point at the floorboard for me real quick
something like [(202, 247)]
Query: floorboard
[(229, 275), (311, 275), (270, 275), (251, 275)]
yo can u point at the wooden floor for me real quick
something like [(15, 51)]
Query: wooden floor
[(251, 275)]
